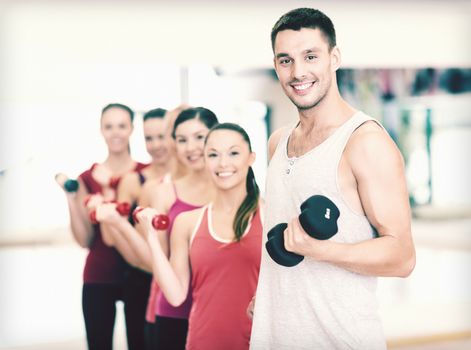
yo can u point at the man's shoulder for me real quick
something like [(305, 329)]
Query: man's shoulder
[(368, 132), (274, 139), (369, 144)]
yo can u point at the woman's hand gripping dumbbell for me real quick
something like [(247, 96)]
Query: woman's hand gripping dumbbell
[(69, 185), (159, 221), (106, 210), (318, 219)]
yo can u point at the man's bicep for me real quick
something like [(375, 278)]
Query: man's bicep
[(379, 171)]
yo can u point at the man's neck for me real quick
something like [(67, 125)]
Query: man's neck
[(317, 124), (332, 111)]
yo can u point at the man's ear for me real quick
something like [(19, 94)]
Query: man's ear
[(335, 58), (274, 66)]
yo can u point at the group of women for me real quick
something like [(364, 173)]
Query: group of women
[(185, 261)]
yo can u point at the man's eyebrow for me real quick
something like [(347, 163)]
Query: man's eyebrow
[(282, 54), (312, 49)]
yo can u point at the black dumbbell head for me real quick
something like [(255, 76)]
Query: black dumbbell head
[(71, 185), (319, 217), (276, 247)]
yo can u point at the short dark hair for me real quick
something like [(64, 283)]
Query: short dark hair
[(204, 115), (154, 113), (305, 18), (119, 106)]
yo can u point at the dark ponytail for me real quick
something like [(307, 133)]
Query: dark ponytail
[(248, 206), (250, 203)]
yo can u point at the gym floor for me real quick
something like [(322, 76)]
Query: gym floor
[(80, 345), (434, 300)]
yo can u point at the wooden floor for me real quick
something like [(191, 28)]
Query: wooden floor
[(462, 344), (427, 311)]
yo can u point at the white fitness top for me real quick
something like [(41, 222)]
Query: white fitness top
[(314, 305)]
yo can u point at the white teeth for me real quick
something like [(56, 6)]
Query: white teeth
[(225, 174), (302, 87)]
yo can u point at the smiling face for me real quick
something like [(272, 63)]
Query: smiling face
[(116, 128), (157, 140), (189, 141), (228, 158), (305, 67)]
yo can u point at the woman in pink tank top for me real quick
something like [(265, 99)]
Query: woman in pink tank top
[(216, 249)]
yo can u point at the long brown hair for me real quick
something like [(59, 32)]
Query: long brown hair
[(250, 203)]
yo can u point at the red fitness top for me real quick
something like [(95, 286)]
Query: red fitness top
[(224, 280), (103, 264)]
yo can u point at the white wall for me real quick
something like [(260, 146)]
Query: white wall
[(370, 33), (61, 61)]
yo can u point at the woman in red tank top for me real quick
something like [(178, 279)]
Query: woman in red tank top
[(130, 188), (215, 250), (136, 188), (104, 267), (137, 276)]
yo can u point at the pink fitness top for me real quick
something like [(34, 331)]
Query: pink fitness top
[(157, 304)]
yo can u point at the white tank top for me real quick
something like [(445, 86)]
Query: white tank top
[(314, 305)]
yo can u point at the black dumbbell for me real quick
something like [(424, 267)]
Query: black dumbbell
[(318, 218), (71, 185)]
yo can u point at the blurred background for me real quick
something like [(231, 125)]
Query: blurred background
[(406, 63)]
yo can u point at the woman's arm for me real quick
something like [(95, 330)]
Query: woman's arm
[(80, 225), (129, 188), (126, 193), (173, 276), (131, 240), (146, 194), (114, 227)]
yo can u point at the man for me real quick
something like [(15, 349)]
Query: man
[(327, 301)]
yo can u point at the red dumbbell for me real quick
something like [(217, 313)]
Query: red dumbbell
[(123, 209), (159, 221)]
